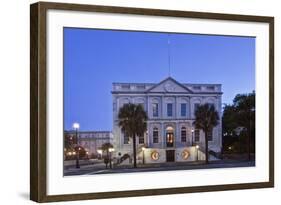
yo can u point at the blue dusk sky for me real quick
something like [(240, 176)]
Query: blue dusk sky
[(94, 59)]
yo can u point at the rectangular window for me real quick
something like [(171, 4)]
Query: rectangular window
[(183, 135), (210, 135), (141, 139), (155, 136), (126, 139), (197, 135), (183, 109), (155, 109), (196, 105), (169, 109)]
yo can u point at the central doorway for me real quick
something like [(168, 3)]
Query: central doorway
[(170, 155), (170, 136)]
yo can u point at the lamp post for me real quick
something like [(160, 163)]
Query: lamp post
[(192, 136), (197, 149), (76, 127), (143, 148), (110, 160)]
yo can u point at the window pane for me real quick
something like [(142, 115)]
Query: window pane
[(155, 109), (197, 135), (155, 135), (196, 105), (183, 109), (126, 139), (183, 134), (141, 140), (169, 109)]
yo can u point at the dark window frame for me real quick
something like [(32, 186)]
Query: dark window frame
[(155, 114), (155, 137), (183, 134), (141, 139), (196, 135), (170, 109), (126, 139), (185, 113)]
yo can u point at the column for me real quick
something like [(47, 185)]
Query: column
[(148, 135), (162, 107), (177, 137), (162, 132), (175, 115)]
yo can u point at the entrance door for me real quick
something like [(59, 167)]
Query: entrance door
[(170, 155), (170, 136)]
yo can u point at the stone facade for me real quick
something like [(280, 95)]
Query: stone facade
[(92, 140), (170, 108)]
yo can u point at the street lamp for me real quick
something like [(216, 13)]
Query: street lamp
[(192, 133), (143, 148), (76, 127), (197, 149), (110, 150)]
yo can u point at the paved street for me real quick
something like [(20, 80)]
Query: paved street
[(99, 168)]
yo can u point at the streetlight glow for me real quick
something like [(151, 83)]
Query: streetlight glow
[(76, 125), (143, 148), (197, 146)]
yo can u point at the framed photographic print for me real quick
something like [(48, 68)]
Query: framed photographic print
[(135, 102)]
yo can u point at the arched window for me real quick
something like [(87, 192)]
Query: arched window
[(155, 135), (183, 134)]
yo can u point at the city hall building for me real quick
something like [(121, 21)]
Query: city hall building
[(170, 107)]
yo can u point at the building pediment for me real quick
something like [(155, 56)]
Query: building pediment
[(169, 85)]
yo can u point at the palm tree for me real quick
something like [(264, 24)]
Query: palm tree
[(105, 147), (206, 118), (132, 120)]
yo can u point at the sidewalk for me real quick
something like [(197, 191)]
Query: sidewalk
[(100, 168)]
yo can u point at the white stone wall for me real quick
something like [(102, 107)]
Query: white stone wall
[(167, 91)]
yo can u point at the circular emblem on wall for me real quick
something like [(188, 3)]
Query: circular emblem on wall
[(155, 155), (168, 87), (185, 154)]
